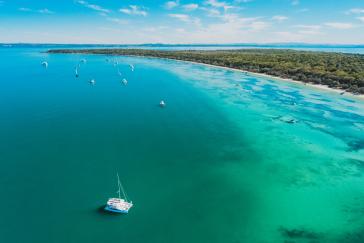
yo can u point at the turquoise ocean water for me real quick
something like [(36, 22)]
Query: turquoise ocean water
[(232, 157)]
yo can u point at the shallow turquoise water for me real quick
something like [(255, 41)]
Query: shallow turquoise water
[(219, 164)]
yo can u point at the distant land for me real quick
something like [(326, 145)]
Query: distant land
[(263, 45), (335, 70)]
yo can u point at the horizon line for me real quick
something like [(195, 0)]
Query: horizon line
[(185, 44)]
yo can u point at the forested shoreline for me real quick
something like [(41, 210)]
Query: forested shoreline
[(336, 70)]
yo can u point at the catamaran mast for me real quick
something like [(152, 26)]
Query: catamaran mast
[(121, 188)]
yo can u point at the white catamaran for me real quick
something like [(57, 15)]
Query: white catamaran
[(119, 205)]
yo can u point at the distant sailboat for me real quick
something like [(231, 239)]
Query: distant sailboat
[(119, 205), (131, 67), (76, 72), (119, 73), (45, 64)]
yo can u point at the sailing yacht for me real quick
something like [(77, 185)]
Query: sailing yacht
[(76, 72), (119, 205), (131, 67), (124, 81), (45, 64)]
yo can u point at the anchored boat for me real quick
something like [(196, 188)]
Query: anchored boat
[(162, 104), (119, 205)]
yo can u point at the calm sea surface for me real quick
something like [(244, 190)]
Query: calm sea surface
[(231, 158)]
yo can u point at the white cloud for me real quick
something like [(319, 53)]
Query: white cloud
[(339, 25), (182, 17), (211, 12), (295, 2), (279, 18), (42, 11), (25, 9), (356, 11), (154, 29), (243, 1), (258, 25), (134, 10), (186, 18), (171, 4), (93, 6), (309, 29), (232, 28), (117, 20), (45, 11), (190, 7), (233, 24), (217, 4), (361, 18)]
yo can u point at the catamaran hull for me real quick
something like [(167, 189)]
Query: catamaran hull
[(107, 208)]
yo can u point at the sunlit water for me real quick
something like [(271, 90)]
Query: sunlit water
[(231, 158)]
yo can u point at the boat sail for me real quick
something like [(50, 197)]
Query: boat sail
[(119, 205), (76, 72)]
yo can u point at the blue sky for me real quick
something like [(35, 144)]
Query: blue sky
[(182, 21)]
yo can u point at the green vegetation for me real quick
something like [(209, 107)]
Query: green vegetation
[(336, 70)]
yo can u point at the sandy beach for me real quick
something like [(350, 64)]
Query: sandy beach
[(311, 85)]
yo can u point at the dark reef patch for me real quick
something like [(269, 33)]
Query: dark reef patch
[(356, 145), (353, 237), (357, 162), (300, 234)]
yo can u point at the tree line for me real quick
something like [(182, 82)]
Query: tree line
[(336, 70)]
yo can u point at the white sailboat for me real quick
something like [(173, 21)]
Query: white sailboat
[(119, 205), (124, 81), (45, 64), (131, 67), (76, 72)]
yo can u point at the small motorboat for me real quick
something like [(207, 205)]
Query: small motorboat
[(119, 205), (162, 104), (92, 82), (288, 119)]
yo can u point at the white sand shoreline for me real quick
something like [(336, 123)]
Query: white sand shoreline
[(316, 86), (262, 75)]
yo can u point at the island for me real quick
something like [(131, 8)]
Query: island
[(335, 70)]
